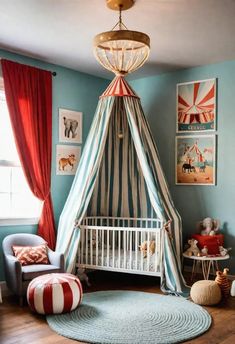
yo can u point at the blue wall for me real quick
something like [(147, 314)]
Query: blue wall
[(158, 96), (71, 90), (78, 91)]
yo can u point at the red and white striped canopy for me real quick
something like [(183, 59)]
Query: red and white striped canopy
[(119, 88)]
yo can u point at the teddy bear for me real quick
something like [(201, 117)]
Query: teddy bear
[(193, 250), (209, 226), (144, 247)]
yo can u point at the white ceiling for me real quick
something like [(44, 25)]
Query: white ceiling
[(183, 33)]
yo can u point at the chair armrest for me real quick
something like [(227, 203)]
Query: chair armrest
[(56, 258), (13, 273)]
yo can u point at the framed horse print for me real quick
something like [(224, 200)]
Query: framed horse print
[(67, 159)]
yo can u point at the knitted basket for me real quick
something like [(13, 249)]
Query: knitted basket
[(205, 293)]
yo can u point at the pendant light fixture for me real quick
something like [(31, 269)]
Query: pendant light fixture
[(120, 50)]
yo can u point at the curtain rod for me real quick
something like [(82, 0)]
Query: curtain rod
[(53, 73)]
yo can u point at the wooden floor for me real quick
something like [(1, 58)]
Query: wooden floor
[(19, 326)]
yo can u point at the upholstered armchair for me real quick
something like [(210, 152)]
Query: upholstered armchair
[(18, 276)]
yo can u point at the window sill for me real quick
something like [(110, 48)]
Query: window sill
[(18, 221)]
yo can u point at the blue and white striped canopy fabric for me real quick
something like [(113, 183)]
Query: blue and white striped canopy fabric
[(119, 174)]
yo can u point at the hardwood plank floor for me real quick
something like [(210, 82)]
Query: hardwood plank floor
[(19, 326)]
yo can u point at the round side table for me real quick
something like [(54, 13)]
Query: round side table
[(208, 264)]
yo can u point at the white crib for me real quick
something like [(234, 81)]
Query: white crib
[(113, 243)]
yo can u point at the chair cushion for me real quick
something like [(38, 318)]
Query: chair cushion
[(29, 272), (28, 255)]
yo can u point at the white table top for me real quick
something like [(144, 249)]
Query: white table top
[(207, 257)]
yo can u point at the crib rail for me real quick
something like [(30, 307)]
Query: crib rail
[(121, 244)]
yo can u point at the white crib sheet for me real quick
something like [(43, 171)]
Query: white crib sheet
[(128, 262)]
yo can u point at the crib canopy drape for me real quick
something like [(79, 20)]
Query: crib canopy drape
[(119, 174)]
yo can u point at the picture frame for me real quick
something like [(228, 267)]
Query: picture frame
[(70, 126), (195, 160), (196, 106), (67, 159)]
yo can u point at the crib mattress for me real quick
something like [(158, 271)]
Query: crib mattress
[(124, 262)]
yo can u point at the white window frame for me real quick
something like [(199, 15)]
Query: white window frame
[(14, 221)]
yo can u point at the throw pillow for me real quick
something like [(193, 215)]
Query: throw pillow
[(28, 255)]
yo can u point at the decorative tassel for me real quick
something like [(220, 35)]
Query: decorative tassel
[(223, 282)]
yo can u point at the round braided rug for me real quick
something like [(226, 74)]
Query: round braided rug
[(130, 317)]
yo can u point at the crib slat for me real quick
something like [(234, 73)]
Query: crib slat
[(91, 246), (107, 263), (79, 248), (102, 248), (86, 235), (130, 233), (142, 261), (129, 225), (159, 238), (119, 249), (114, 234), (156, 251), (82, 244), (148, 250), (136, 250), (96, 246), (124, 249)]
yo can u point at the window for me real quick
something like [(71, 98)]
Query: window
[(17, 203)]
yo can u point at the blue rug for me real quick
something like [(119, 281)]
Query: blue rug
[(129, 317)]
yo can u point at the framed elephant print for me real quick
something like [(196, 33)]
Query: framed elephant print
[(70, 126)]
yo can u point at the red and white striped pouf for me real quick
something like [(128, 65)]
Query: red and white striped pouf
[(54, 293)]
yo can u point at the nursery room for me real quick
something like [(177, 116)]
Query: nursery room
[(117, 159)]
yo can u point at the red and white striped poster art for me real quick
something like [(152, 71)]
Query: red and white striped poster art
[(196, 106)]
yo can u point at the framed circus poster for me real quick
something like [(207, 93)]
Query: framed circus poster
[(196, 106), (195, 160)]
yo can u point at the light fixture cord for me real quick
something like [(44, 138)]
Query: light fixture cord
[(120, 17), (120, 23)]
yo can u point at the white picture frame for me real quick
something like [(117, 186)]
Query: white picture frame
[(70, 126), (67, 159), (196, 106)]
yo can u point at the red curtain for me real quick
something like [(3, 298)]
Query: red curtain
[(29, 99)]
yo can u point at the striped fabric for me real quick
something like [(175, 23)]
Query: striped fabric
[(120, 88), (223, 282), (120, 175), (54, 293)]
